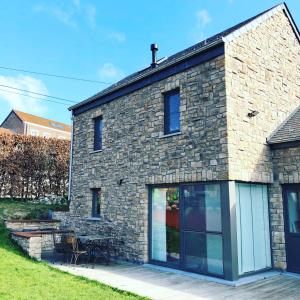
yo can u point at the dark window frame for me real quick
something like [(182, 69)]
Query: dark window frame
[(96, 211), (167, 111), (98, 133)]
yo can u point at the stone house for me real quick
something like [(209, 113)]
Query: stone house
[(27, 124), (182, 157)]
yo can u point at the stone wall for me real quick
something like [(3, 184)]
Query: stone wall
[(31, 245), (263, 74), (286, 168), (136, 150), (20, 225)]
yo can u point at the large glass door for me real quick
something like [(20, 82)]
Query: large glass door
[(292, 226), (165, 246), (186, 227), (202, 228)]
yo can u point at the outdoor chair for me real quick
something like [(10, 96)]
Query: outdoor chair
[(62, 247), (78, 249)]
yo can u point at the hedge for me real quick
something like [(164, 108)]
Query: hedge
[(31, 167)]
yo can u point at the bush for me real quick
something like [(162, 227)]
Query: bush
[(31, 167)]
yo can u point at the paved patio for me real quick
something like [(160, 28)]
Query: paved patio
[(159, 283)]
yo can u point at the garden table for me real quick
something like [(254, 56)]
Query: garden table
[(98, 246)]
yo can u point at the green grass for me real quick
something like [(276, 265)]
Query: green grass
[(24, 278)]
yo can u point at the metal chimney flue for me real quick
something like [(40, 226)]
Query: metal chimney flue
[(154, 49)]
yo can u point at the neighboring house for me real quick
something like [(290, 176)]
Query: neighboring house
[(22, 123), (176, 156)]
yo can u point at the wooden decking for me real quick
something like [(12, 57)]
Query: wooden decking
[(161, 284)]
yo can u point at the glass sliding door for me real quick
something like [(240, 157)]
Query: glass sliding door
[(165, 225), (202, 228), (186, 227)]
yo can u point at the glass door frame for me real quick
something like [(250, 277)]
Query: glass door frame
[(227, 219), (285, 188)]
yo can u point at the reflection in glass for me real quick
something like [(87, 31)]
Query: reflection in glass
[(165, 225), (294, 212), (202, 207), (203, 253)]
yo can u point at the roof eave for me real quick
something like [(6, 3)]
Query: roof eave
[(155, 70)]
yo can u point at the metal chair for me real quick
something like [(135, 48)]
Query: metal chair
[(77, 249)]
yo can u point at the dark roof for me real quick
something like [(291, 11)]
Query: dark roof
[(288, 131), (203, 45)]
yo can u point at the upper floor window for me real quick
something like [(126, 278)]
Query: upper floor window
[(172, 112), (96, 203), (98, 128)]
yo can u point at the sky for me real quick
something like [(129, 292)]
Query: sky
[(98, 40)]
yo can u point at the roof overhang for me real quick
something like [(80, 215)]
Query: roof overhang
[(285, 145)]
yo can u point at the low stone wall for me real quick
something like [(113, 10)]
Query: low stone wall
[(21, 225), (31, 244)]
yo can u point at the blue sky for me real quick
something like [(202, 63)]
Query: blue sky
[(100, 40)]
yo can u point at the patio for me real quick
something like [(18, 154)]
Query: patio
[(160, 283)]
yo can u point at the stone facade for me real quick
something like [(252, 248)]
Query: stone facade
[(270, 54), (262, 69), (136, 150), (218, 141)]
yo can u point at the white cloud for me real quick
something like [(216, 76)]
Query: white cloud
[(117, 36), (90, 12), (110, 72), (203, 18), (19, 102), (69, 13), (64, 14)]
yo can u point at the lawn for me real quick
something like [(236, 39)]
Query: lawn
[(24, 278)]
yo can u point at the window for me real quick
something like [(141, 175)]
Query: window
[(98, 128), (172, 113), (96, 203), (34, 132), (186, 227)]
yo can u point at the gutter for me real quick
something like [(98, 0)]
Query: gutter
[(71, 161)]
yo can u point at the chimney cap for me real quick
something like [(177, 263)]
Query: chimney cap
[(154, 47)]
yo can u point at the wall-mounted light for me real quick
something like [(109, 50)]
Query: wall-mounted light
[(253, 113)]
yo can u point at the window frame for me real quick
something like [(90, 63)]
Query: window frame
[(167, 110), (98, 133), (96, 193)]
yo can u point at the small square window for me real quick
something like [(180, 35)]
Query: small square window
[(96, 201), (172, 112), (98, 128)]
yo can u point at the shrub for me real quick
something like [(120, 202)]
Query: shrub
[(31, 167)]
